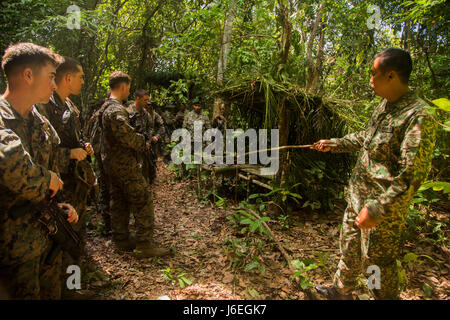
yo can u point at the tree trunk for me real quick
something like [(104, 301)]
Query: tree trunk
[(283, 112), (224, 50), (317, 70), (283, 126), (309, 48), (226, 41)]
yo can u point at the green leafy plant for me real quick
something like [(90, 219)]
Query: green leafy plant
[(303, 267), (283, 193), (410, 260), (418, 217), (245, 253), (251, 224), (284, 220), (176, 275), (414, 258), (322, 261)]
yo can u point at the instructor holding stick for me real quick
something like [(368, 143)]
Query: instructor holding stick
[(395, 151)]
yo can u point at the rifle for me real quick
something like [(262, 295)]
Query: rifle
[(150, 159), (149, 156), (55, 220)]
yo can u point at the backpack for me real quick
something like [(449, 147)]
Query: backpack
[(94, 127)]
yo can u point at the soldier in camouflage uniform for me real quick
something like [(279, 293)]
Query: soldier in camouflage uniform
[(93, 131), (169, 125), (196, 115), (121, 149), (28, 172), (395, 152), (179, 117), (75, 169), (151, 126), (158, 131)]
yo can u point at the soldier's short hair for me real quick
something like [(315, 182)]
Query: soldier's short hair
[(69, 65), (140, 93), (24, 55), (398, 60), (117, 78)]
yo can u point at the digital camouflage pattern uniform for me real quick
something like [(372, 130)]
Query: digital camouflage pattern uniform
[(193, 116), (188, 124), (156, 123), (144, 124), (179, 119), (78, 177), (129, 189), (394, 159), (26, 154), (93, 131)]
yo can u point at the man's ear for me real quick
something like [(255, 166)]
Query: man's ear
[(28, 75), (392, 75), (68, 77)]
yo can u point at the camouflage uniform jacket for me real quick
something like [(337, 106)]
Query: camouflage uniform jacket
[(394, 158), (26, 154), (64, 117), (179, 119), (121, 142), (168, 118), (193, 116), (156, 124)]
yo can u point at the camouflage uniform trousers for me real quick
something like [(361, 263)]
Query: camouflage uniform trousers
[(75, 194), (384, 248), (130, 194), (104, 197), (34, 279)]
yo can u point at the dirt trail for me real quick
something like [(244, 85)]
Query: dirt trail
[(197, 231)]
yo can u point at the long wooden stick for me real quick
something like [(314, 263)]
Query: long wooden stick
[(304, 146)]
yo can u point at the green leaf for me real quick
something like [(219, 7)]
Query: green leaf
[(443, 104), (254, 226), (427, 290), (410, 257), (253, 293), (262, 268), (252, 265), (187, 281), (436, 185), (246, 221), (447, 126), (298, 264)]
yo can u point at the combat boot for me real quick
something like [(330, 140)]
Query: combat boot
[(331, 293), (147, 250), (126, 244)]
